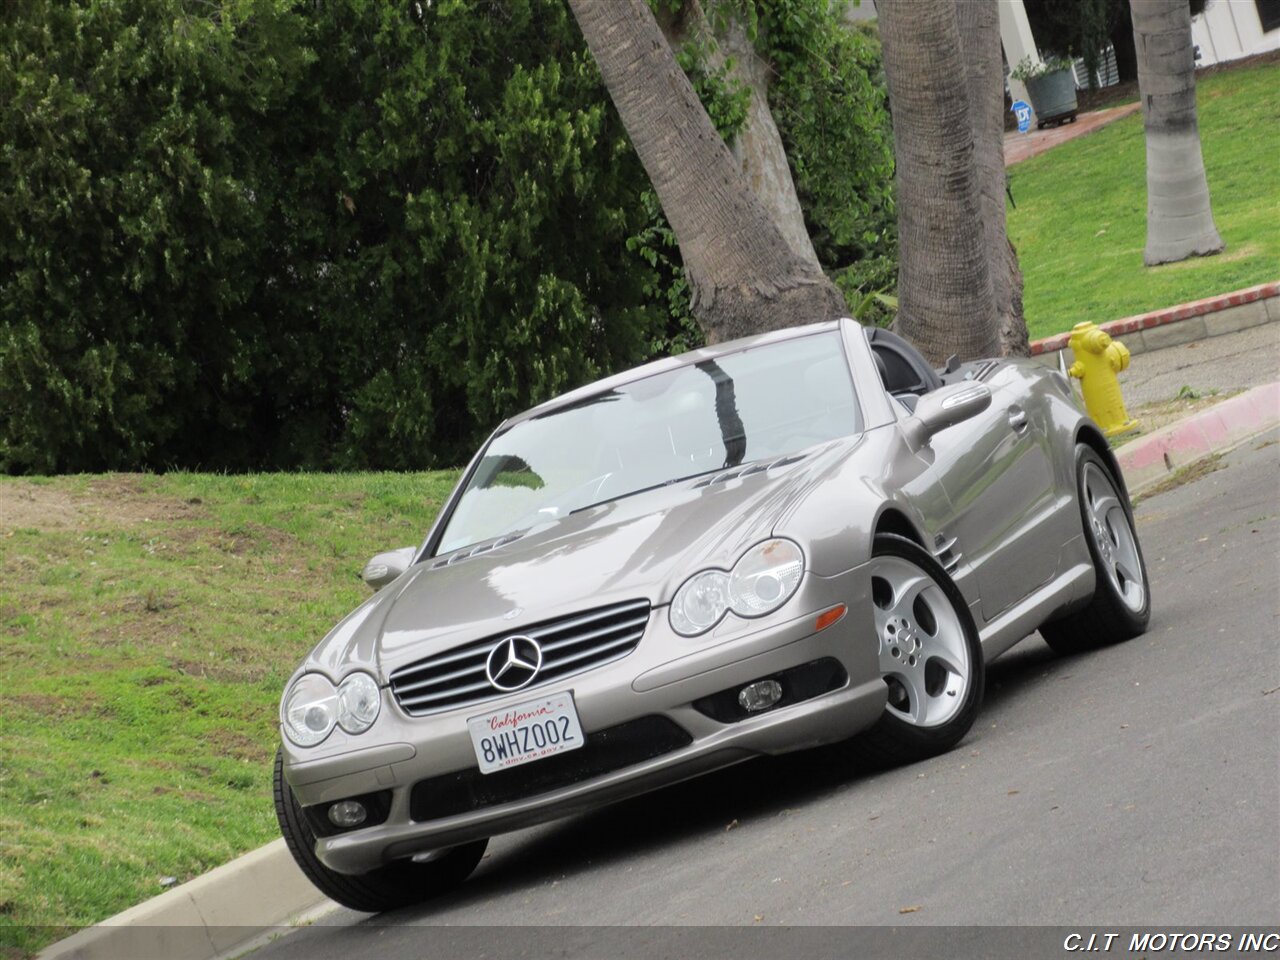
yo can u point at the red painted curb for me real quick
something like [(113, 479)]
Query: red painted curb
[(1158, 318), (1151, 458)]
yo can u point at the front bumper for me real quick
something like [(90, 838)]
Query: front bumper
[(663, 677)]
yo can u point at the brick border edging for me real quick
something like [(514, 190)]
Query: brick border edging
[(1176, 314)]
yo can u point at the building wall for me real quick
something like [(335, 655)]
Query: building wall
[(1231, 29)]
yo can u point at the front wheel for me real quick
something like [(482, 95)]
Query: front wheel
[(930, 656), (398, 884), (1121, 603)]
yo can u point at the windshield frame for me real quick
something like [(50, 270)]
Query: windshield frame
[(430, 549)]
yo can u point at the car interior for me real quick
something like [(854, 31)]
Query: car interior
[(903, 369)]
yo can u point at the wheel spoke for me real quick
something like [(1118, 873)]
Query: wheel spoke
[(1103, 507), (906, 593), (912, 678), (1126, 571)]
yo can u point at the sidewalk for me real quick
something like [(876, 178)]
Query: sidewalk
[(1022, 146)]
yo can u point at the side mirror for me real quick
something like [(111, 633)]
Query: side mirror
[(945, 407), (385, 567)]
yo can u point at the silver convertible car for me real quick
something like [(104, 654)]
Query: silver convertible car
[(802, 538)]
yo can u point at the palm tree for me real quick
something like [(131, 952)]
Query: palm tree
[(743, 275), (946, 300), (979, 22), (1179, 217)]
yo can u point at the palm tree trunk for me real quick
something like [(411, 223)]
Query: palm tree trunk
[(1179, 217), (743, 275), (979, 22), (945, 295), (758, 147)]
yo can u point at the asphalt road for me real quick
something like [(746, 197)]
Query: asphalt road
[(1136, 785)]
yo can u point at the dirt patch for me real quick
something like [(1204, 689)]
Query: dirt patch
[(221, 672), (48, 705), (1153, 416), (238, 746), (114, 500), (1188, 474)]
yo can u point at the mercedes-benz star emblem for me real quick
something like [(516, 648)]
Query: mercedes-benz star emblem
[(514, 663)]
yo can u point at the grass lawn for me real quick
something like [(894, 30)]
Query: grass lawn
[(147, 625), (1081, 219)]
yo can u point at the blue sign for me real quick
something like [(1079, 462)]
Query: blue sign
[(1022, 110)]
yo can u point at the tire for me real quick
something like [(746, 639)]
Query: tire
[(398, 884), (930, 657), (1121, 604)]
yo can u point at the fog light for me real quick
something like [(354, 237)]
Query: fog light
[(347, 814), (760, 695)]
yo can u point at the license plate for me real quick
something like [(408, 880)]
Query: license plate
[(526, 732)]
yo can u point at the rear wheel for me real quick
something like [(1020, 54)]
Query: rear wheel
[(930, 656), (1121, 603), (398, 884)]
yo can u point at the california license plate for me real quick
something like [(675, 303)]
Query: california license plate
[(526, 732)]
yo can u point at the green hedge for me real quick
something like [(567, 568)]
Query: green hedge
[(264, 234)]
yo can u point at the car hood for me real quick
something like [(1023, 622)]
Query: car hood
[(639, 547)]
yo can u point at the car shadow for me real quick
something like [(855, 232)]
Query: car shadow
[(756, 789)]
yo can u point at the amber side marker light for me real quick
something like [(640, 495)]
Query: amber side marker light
[(828, 617)]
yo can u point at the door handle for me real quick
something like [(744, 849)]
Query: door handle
[(1018, 420)]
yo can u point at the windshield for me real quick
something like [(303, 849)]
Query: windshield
[(760, 403)]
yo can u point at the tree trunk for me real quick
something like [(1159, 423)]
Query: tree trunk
[(946, 302), (1122, 44), (758, 146), (743, 275), (979, 23), (1179, 217)]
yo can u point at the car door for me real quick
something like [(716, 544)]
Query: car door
[(997, 470)]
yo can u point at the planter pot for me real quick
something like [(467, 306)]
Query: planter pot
[(1053, 96)]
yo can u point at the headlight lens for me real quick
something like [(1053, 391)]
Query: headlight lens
[(310, 710), (765, 578), (358, 703), (700, 603)]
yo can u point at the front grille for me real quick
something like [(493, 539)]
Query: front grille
[(569, 645), (604, 752)]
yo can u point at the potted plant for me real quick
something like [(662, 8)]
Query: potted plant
[(1051, 85)]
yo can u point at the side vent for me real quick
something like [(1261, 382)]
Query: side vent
[(469, 552), (945, 552), (760, 466)]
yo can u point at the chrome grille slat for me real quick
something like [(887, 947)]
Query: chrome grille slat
[(461, 653), (596, 651), (569, 641), (557, 626), (570, 645), (455, 691), (476, 669)]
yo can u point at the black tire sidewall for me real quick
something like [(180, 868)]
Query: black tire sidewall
[(1106, 595), (398, 884)]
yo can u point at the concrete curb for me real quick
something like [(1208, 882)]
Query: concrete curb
[(1210, 317), (221, 913), (1148, 460)]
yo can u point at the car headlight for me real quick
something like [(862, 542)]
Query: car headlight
[(310, 710), (763, 579), (313, 707), (358, 703), (700, 603)]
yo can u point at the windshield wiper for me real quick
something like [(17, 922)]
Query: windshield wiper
[(654, 486)]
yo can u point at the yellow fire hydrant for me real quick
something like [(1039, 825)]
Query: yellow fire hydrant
[(1098, 359)]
